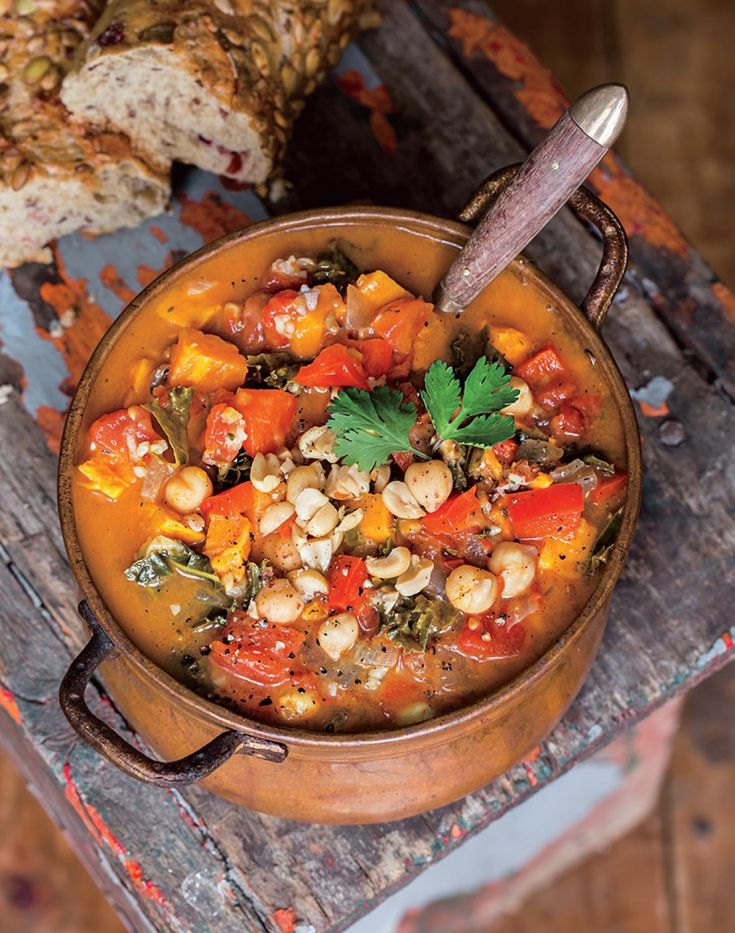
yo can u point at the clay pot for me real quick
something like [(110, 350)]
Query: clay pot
[(334, 778)]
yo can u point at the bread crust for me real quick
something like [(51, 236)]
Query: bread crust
[(246, 64), (56, 173)]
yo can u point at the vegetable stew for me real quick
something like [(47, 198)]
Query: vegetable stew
[(312, 498)]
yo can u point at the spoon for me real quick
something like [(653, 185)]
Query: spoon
[(541, 187)]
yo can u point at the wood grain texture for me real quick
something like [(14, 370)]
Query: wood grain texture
[(696, 307), (173, 860), (544, 183)]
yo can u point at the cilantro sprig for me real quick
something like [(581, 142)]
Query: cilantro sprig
[(370, 426)]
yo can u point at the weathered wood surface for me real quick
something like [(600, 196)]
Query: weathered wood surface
[(180, 861)]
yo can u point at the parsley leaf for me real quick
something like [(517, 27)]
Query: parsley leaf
[(370, 426), (173, 419), (486, 391)]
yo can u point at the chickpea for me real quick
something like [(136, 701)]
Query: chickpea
[(294, 705), (430, 483), (524, 403), (413, 713), (515, 564), (310, 583), (187, 489), (301, 478), (279, 603), (282, 553), (338, 634), (471, 590)]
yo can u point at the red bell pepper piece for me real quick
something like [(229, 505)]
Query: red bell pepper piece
[(460, 514), (235, 501), (347, 576), (609, 488), (334, 366), (268, 415), (551, 512)]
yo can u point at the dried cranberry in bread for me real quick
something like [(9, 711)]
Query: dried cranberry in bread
[(216, 83), (57, 175)]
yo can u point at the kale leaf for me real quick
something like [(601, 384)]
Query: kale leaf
[(414, 621), (173, 418)]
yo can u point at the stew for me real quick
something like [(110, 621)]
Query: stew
[(313, 499)]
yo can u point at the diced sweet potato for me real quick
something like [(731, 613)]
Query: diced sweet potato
[(513, 345), (162, 521), (567, 557), (206, 362), (228, 543), (105, 477), (378, 289), (377, 522)]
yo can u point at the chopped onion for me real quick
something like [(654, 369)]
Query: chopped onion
[(518, 609), (357, 312), (156, 475), (374, 653)]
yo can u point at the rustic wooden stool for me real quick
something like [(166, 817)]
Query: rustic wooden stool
[(418, 112)]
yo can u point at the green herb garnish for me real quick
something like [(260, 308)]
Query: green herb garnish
[(173, 419), (370, 426)]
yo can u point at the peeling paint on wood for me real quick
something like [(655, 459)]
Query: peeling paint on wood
[(238, 869)]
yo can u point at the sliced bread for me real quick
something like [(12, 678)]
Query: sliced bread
[(58, 175), (215, 83)]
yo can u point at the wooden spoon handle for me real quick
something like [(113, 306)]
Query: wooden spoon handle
[(543, 184)]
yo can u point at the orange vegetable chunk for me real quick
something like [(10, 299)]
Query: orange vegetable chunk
[(206, 361)]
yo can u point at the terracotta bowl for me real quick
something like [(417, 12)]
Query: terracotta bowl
[(370, 777)]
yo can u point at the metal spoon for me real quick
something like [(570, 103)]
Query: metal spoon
[(543, 184)]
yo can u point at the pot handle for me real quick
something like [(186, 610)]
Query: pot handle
[(586, 205), (122, 754)]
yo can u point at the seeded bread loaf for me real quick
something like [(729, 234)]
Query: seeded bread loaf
[(56, 174), (216, 83)]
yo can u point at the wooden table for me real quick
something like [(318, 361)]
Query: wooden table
[(417, 114)]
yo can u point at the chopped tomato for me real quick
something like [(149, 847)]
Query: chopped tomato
[(243, 324), (485, 638), (261, 654), (460, 514), (224, 435), (574, 414), (335, 366), (278, 316), (404, 459), (609, 488), (268, 416), (377, 355), (569, 421), (547, 375), (551, 512), (541, 367), (115, 447), (400, 323), (347, 576), (121, 431), (506, 451)]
